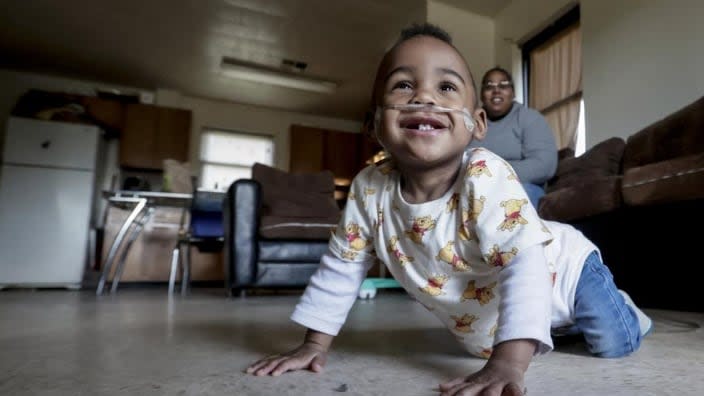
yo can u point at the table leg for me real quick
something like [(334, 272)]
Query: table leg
[(140, 204), (136, 231)]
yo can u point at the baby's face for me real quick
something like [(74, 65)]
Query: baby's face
[(425, 70)]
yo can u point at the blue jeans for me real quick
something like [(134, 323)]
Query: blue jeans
[(535, 192), (609, 326)]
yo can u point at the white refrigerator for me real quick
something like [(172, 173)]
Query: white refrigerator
[(47, 178)]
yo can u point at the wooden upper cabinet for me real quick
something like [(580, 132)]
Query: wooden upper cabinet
[(343, 153), (152, 134), (315, 149)]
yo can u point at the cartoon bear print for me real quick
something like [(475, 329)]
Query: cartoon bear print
[(452, 203), (498, 258), (420, 226), (478, 168), (435, 285), (465, 229), (354, 238), (392, 248), (482, 294), (448, 255), (349, 254), (463, 323), (512, 214)]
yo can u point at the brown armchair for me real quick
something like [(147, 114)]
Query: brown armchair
[(277, 226)]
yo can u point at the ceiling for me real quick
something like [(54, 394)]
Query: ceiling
[(178, 44)]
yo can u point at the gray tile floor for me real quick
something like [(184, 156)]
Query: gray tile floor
[(140, 342)]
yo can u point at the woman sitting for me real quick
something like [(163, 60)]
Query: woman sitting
[(518, 134)]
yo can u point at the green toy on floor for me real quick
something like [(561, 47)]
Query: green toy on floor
[(371, 285)]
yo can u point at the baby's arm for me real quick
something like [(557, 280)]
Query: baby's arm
[(323, 308), (523, 329)]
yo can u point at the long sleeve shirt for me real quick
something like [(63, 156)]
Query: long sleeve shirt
[(479, 257)]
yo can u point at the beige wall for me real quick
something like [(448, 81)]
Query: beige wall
[(642, 60), (518, 22), (472, 34), (245, 118)]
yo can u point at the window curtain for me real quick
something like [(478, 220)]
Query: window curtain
[(556, 83)]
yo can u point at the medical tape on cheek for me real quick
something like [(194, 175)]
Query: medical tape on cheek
[(468, 121)]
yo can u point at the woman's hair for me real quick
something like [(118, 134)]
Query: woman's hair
[(500, 69)]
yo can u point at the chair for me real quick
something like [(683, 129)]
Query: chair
[(277, 226), (204, 231)]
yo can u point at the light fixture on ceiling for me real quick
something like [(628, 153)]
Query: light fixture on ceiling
[(248, 71)]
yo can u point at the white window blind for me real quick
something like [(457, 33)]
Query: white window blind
[(227, 156)]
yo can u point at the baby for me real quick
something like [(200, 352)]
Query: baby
[(455, 228)]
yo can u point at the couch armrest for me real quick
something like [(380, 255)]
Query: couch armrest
[(241, 210)]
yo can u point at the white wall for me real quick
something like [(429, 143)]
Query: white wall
[(642, 61), (472, 34), (245, 118)]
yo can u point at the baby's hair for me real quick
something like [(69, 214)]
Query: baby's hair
[(424, 29), (500, 70)]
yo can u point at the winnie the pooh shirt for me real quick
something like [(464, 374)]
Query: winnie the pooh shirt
[(447, 253)]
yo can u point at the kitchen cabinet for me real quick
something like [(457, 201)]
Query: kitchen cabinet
[(152, 134), (343, 153)]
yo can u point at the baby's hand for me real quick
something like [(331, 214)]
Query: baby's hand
[(307, 356), (495, 378)]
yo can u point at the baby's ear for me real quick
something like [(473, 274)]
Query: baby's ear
[(480, 124)]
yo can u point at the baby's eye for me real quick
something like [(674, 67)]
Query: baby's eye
[(402, 85), (448, 86)]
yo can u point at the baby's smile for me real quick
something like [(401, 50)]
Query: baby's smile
[(423, 124), (426, 118)]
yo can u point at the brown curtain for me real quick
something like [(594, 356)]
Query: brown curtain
[(556, 83)]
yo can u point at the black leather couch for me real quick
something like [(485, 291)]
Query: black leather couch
[(254, 261)]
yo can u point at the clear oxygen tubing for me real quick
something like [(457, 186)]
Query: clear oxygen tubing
[(468, 121)]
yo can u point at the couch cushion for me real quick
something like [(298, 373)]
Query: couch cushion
[(297, 227), (291, 251), (299, 206), (679, 134), (604, 159), (666, 181), (583, 199)]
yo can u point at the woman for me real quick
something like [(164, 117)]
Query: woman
[(518, 134)]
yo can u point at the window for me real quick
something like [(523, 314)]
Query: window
[(552, 63), (227, 156)]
